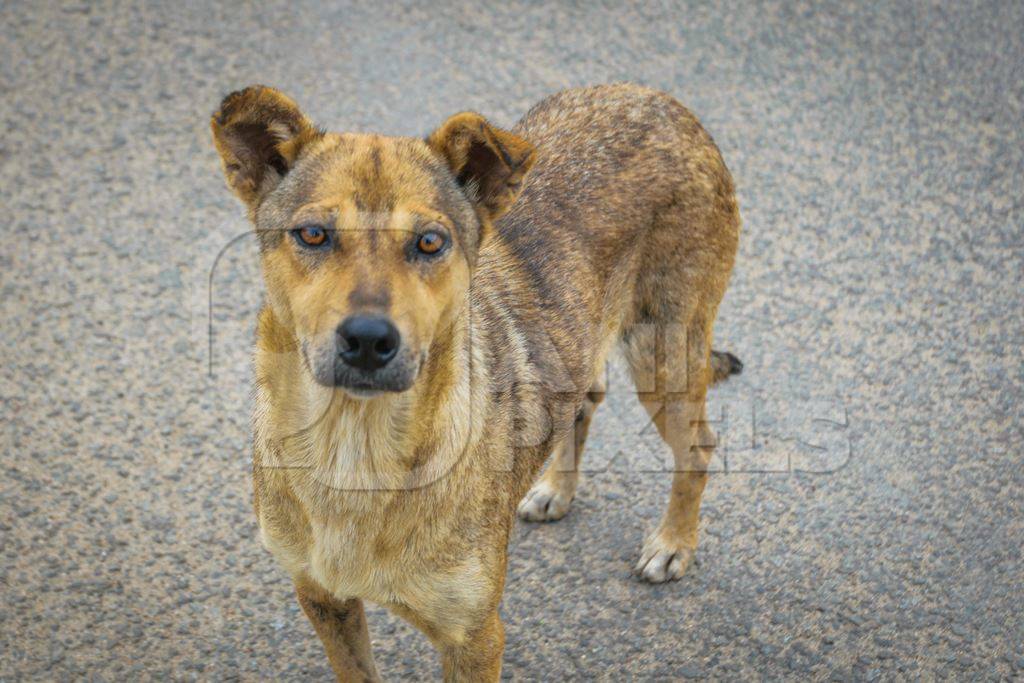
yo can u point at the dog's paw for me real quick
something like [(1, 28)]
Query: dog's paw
[(662, 559), (543, 503)]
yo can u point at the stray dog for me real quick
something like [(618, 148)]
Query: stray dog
[(439, 312)]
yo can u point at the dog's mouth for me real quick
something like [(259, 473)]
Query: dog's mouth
[(395, 378), (362, 391), (365, 389)]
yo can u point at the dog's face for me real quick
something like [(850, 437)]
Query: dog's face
[(367, 242)]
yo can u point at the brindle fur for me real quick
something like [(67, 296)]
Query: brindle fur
[(604, 217)]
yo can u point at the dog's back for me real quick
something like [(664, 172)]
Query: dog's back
[(627, 218)]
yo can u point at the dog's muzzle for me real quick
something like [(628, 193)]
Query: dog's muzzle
[(367, 357)]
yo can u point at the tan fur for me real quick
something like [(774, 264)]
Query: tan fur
[(604, 217)]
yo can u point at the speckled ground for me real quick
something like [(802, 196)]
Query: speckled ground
[(867, 518)]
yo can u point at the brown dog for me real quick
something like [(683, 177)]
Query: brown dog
[(438, 317)]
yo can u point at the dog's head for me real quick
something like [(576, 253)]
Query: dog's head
[(367, 242)]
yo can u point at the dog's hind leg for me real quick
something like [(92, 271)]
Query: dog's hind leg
[(550, 497), (671, 367), (341, 625)]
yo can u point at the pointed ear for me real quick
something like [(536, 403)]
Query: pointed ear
[(490, 163), (259, 133)]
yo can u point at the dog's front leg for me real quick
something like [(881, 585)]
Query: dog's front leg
[(341, 625), (478, 657)]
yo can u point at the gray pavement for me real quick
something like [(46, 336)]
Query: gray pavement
[(866, 520)]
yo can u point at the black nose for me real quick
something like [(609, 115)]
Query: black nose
[(367, 343)]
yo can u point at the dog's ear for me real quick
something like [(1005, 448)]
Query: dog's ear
[(488, 162), (259, 133)]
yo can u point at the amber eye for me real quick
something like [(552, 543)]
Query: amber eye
[(430, 242), (311, 235)]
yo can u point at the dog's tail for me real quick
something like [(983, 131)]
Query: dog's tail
[(724, 364)]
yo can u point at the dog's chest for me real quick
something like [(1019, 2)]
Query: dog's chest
[(334, 507), (346, 557), (356, 558)]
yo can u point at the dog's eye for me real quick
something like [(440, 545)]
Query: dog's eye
[(311, 236), (430, 242)]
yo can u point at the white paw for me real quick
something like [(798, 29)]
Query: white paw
[(543, 503), (663, 560)]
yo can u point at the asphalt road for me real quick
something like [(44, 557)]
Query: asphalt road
[(866, 519)]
